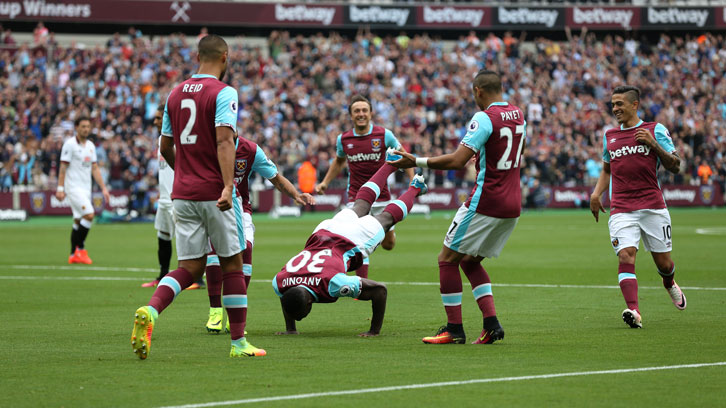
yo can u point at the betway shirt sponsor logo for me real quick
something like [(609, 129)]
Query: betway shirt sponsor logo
[(301, 280), (378, 15), (364, 157), (435, 198), (39, 8), (323, 15), (679, 194), (450, 15), (620, 17), (627, 150), (675, 15), (525, 15)]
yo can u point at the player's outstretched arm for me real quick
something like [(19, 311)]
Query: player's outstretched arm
[(602, 184), (290, 327), (451, 161), (377, 293), (166, 146), (333, 171), (284, 185)]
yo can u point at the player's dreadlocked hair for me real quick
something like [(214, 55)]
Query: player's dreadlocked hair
[(296, 302)]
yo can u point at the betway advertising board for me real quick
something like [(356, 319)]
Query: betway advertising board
[(352, 16)]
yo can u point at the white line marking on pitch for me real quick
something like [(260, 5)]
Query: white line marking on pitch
[(79, 268), (72, 278), (443, 384)]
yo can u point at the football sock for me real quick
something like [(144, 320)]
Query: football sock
[(481, 287), (628, 285), (247, 263), (170, 286), (668, 276), (362, 271), (83, 232), (400, 207), (164, 255), (491, 322), (455, 327), (214, 281), (235, 302), (450, 288), (371, 189), (74, 238)]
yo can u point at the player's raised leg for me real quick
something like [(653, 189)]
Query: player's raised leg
[(481, 288), (371, 190)]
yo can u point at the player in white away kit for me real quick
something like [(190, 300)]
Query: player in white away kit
[(631, 156), (78, 163), (164, 219)]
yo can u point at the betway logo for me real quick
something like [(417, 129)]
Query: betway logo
[(675, 15), (524, 15), (449, 15), (602, 16), (322, 15), (328, 199), (567, 196), (435, 198), (378, 15), (679, 194), (627, 150), (364, 157)]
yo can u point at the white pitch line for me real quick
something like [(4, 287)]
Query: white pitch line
[(72, 278), (443, 384), (79, 268)]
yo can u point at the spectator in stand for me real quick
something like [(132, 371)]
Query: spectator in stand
[(704, 172)]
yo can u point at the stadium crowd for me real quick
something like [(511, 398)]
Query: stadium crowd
[(293, 98)]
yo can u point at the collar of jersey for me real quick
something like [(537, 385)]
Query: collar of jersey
[(497, 104), (203, 76), (640, 122), (370, 130)]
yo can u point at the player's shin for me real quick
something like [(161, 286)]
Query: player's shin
[(628, 285), (164, 255), (400, 207), (234, 299), (169, 287), (668, 276), (83, 228), (481, 287), (450, 288)]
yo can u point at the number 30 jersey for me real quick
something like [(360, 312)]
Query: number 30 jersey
[(497, 135), (194, 109), (320, 268)]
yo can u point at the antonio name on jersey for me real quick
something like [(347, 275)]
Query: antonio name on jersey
[(628, 150), (364, 157), (300, 280)]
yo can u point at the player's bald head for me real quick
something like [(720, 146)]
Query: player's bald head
[(488, 81), (211, 48), (297, 302), (631, 93)]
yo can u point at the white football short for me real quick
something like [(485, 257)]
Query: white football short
[(80, 202), (365, 232), (654, 226), (477, 234), (249, 229), (198, 222), (164, 218), (376, 208)]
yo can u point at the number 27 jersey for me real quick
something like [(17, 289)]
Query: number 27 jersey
[(497, 135)]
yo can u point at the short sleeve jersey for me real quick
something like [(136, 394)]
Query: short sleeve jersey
[(194, 109), (250, 158), (497, 135), (320, 268), (80, 159), (633, 168), (366, 154), (166, 178)]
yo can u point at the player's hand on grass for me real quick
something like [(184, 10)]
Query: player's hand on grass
[(282, 333), (320, 188), (304, 199), (368, 334), (645, 137), (596, 207), (225, 200), (406, 161)]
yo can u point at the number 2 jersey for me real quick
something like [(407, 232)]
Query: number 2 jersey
[(634, 168), (193, 111), (497, 135), (320, 268)]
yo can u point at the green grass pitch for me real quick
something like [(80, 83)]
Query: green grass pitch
[(64, 339)]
